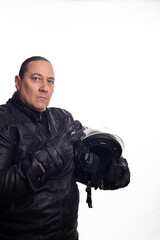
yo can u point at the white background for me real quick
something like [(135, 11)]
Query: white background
[(106, 57)]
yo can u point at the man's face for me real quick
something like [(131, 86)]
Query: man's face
[(37, 85)]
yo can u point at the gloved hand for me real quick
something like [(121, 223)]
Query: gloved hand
[(63, 146), (118, 175), (89, 166), (55, 153)]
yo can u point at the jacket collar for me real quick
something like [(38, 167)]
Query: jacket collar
[(33, 114)]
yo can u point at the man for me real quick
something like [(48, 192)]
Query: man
[(41, 158)]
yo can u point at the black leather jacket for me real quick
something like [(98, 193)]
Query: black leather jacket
[(45, 208)]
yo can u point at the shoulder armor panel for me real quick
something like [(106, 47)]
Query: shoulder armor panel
[(5, 115), (60, 113)]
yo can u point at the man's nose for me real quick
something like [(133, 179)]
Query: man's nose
[(44, 86)]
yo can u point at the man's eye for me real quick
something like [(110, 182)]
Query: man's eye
[(51, 82), (36, 78)]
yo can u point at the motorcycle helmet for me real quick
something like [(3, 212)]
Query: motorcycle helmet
[(107, 146), (101, 141)]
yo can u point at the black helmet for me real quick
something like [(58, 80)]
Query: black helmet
[(108, 147), (102, 142)]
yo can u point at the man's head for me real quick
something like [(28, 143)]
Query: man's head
[(35, 82)]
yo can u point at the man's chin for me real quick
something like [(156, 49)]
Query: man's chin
[(40, 108)]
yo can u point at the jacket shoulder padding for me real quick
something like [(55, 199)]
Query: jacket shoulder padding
[(5, 115), (60, 113)]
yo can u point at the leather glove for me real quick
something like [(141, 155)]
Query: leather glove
[(55, 153), (89, 166), (63, 146), (118, 175)]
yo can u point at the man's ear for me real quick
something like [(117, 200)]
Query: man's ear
[(17, 82)]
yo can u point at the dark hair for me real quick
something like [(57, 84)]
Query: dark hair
[(24, 65)]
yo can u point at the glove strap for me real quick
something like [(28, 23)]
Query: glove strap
[(89, 194)]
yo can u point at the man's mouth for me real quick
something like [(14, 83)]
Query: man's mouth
[(42, 97)]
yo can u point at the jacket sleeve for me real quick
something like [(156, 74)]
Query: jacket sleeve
[(117, 176), (13, 178)]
